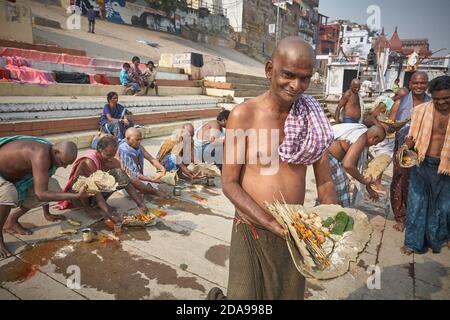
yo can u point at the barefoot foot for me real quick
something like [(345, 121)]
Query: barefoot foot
[(399, 226), (16, 227), (3, 251), (405, 250), (55, 217)]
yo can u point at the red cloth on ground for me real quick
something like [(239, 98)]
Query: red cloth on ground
[(75, 60), (5, 75), (94, 156), (30, 75), (17, 61), (98, 79), (31, 54)]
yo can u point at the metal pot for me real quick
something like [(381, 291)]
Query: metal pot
[(177, 191), (210, 181), (88, 235)]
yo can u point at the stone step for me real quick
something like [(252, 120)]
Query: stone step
[(250, 86), (257, 81), (249, 92), (28, 108), (83, 139), (238, 100), (243, 76), (71, 125), (63, 89)]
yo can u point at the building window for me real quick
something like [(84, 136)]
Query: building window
[(361, 39), (348, 41)]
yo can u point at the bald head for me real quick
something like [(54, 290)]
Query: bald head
[(355, 86), (134, 137), (294, 47), (65, 153), (133, 132), (290, 70), (419, 74), (418, 83), (375, 135), (400, 93)]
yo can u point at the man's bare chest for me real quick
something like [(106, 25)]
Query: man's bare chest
[(440, 124)]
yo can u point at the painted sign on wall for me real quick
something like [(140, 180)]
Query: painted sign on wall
[(121, 11)]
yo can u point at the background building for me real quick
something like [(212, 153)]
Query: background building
[(328, 41), (356, 39), (255, 27)]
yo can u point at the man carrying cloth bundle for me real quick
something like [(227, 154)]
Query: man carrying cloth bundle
[(428, 208), (281, 124)]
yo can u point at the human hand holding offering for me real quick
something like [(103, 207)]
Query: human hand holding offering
[(373, 195)]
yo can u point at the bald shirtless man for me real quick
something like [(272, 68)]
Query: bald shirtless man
[(344, 155), (26, 165), (260, 264), (350, 102), (211, 133)]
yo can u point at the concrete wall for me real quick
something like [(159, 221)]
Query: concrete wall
[(254, 38), (15, 22), (62, 89), (335, 80), (133, 14)]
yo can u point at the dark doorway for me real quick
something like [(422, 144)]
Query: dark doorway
[(349, 75)]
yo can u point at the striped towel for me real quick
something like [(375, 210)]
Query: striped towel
[(421, 131)]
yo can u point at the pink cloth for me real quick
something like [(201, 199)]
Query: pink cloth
[(34, 55), (97, 64), (17, 61), (94, 156), (30, 75), (30, 54), (308, 133)]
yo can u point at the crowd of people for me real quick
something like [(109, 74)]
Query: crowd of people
[(260, 264), (28, 183)]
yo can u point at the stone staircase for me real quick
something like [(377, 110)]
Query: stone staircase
[(33, 108), (77, 119), (247, 86)]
